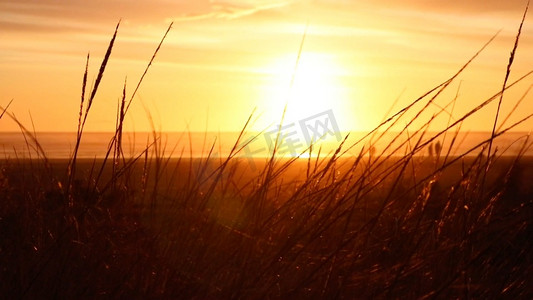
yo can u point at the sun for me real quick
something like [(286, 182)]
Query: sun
[(310, 87)]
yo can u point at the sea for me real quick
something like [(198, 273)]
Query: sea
[(60, 145)]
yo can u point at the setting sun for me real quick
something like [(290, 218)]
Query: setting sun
[(306, 87)]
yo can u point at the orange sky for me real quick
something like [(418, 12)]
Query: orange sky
[(222, 59)]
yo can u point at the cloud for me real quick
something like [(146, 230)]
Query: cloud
[(233, 9), (56, 15), (470, 7)]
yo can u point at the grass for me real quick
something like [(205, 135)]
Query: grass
[(390, 222)]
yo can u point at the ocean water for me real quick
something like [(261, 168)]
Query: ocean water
[(200, 144)]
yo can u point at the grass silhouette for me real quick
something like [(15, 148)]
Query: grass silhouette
[(390, 222)]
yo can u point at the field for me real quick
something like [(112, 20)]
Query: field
[(334, 232), (413, 220)]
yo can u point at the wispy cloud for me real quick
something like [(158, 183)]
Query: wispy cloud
[(458, 6), (232, 9)]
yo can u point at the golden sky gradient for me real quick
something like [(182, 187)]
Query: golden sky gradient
[(222, 59)]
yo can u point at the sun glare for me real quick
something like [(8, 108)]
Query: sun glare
[(312, 86)]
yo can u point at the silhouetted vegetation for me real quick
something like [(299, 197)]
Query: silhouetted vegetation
[(390, 222)]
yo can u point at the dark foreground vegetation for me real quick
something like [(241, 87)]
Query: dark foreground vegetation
[(400, 222)]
